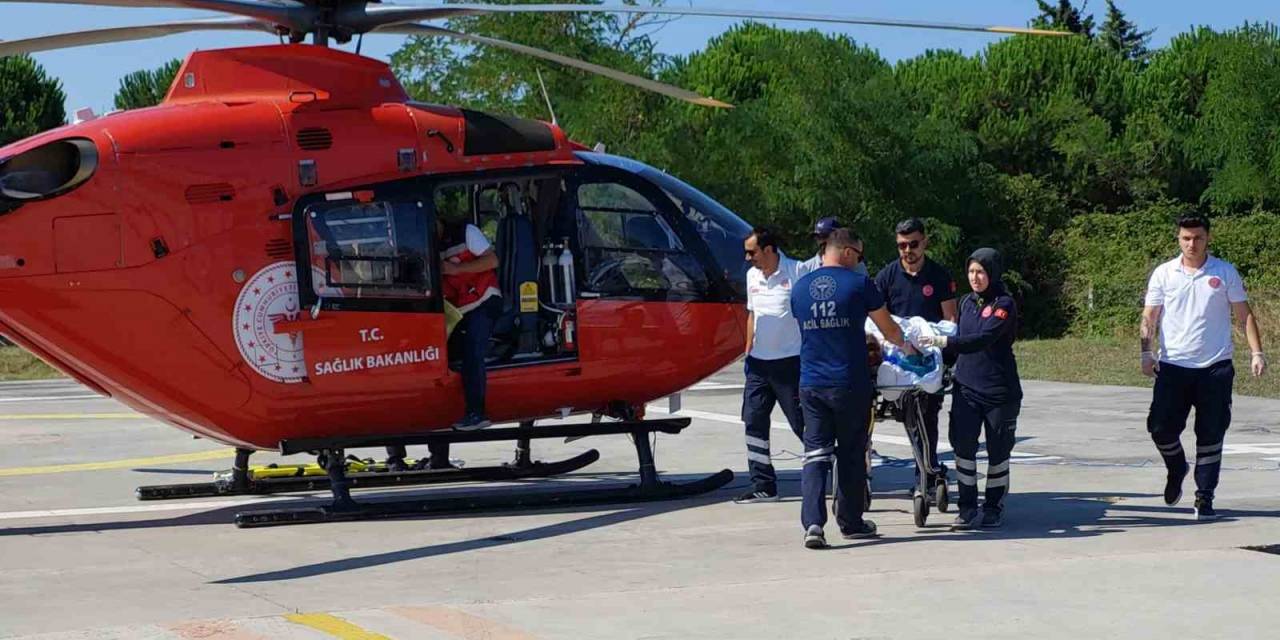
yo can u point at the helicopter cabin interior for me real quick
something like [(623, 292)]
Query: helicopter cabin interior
[(562, 236)]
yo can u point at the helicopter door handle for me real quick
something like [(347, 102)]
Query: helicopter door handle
[(315, 309)]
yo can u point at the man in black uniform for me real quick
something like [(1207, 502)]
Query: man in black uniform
[(913, 285)]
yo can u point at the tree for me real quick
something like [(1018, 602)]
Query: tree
[(1122, 36), (146, 88), (588, 107), (30, 101), (1064, 17)]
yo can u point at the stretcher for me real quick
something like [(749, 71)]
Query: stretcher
[(900, 391)]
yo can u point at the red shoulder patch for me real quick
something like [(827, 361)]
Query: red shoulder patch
[(927, 290), (986, 312), (1215, 282), (1002, 314)]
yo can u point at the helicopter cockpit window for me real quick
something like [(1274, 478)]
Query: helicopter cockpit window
[(370, 249), (629, 249)]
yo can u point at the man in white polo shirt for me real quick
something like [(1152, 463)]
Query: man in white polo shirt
[(773, 357), (1189, 303)]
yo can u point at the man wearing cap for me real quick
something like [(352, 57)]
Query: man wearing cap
[(916, 286), (821, 231), (773, 357), (1189, 304)]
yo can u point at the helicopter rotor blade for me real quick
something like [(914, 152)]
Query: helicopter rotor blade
[(287, 12), (125, 34), (613, 74), (371, 15)]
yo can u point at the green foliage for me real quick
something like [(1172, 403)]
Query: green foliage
[(1122, 36), (1064, 17), (1070, 155), (30, 101), (146, 88)]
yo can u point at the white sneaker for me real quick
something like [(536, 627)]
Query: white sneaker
[(814, 538)]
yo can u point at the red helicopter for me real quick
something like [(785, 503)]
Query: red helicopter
[(255, 260)]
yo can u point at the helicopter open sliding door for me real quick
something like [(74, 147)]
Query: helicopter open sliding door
[(369, 288)]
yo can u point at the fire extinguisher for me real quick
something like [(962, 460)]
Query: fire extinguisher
[(569, 340)]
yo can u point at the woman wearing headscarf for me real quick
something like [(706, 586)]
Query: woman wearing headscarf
[(987, 393)]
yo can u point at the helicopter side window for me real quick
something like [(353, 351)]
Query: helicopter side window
[(370, 249), (629, 249)]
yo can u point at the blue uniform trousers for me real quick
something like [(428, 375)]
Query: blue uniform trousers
[(835, 431)]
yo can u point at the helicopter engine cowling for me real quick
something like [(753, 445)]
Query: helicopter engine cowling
[(46, 171)]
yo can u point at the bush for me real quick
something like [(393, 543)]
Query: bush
[(1110, 257)]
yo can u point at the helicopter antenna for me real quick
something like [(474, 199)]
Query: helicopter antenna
[(546, 96), (359, 43)]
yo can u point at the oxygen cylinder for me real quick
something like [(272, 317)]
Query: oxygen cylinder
[(549, 268), (566, 272)]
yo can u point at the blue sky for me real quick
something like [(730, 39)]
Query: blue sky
[(90, 75)]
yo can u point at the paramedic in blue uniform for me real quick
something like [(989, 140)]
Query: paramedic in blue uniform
[(987, 391), (916, 286), (821, 231), (1189, 304), (773, 358), (832, 305)]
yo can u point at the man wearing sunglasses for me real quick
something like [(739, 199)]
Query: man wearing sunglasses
[(821, 232), (773, 357), (915, 286)]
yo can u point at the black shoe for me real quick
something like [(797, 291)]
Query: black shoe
[(814, 538), (968, 518), (1173, 486), (472, 422), (992, 518), (867, 530), (396, 464), (1204, 509), (756, 495)]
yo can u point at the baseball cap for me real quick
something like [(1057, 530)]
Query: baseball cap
[(825, 226)]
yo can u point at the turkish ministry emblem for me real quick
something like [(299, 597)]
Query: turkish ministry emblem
[(269, 297), (822, 288)]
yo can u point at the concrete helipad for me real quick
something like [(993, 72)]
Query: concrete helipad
[(1089, 550)]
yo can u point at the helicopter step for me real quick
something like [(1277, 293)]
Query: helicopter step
[(345, 508), (362, 474)]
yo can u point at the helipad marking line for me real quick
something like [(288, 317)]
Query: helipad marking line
[(883, 438), (39, 398), (199, 456), (460, 623), (72, 416), (334, 626), (142, 508)]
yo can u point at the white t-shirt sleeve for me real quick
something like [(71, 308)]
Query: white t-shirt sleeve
[(1155, 288), (1235, 287), (477, 243)]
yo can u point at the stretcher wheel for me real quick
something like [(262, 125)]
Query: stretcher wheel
[(920, 509), (942, 497)]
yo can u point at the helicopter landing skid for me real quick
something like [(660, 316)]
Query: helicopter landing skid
[(345, 508), (362, 475)]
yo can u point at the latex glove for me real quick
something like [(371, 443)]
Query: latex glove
[(1150, 365), (1259, 364), (934, 341)]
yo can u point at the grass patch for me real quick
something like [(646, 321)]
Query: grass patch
[(1115, 361), (16, 364)]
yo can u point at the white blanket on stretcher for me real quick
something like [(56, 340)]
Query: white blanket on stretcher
[(891, 379)]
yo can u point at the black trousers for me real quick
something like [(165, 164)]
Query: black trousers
[(969, 418), (769, 382), (929, 405), (835, 430), (1177, 390)]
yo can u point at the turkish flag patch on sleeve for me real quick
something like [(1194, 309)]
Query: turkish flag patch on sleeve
[(1002, 314)]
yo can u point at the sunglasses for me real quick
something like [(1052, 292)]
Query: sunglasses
[(903, 246)]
